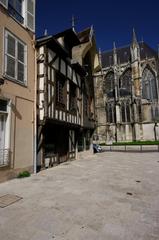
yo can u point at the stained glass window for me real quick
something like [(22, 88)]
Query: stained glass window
[(149, 87), (125, 83), (125, 112), (109, 82), (110, 111)]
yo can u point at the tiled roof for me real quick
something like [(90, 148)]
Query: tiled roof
[(123, 54)]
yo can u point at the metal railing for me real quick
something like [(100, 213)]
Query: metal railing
[(132, 148), (4, 157)]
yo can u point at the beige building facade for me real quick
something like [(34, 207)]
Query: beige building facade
[(17, 87)]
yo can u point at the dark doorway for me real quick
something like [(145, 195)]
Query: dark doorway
[(56, 142)]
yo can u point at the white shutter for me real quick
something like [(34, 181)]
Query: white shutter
[(2, 134), (30, 14), (4, 3), (10, 61), (11, 42)]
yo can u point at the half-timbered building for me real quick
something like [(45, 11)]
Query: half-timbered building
[(65, 100)]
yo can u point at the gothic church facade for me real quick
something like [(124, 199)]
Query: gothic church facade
[(127, 93)]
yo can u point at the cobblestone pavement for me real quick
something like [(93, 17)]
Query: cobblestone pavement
[(109, 196)]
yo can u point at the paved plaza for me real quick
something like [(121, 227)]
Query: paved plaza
[(109, 196)]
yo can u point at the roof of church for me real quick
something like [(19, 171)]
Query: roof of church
[(123, 54)]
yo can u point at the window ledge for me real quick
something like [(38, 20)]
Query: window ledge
[(15, 81), (4, 166)]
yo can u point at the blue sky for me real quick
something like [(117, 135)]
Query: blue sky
[(112, 20)]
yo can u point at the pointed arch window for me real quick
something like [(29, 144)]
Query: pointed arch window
[(149, 85), (125, 83), (109, 84), (110, 111), (155, 112), (125, 112)]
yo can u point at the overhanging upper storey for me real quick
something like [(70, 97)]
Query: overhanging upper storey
[(68, 39), (52, 44)]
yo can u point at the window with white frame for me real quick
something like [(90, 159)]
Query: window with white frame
[(4, 133), (4, 2), (15, 8), (22, 11), (30, 14), (15, 58)]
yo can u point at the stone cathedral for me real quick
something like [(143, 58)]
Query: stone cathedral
[(127, 94)]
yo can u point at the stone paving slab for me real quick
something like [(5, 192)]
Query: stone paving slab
[(109, 196), (8, 199)]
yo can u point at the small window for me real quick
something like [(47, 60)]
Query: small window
[(4, 3), (60, 90), (73, 98), (3, 105), (22, 11), (15, 58), (30, 14), (85, 105), (15, 8)]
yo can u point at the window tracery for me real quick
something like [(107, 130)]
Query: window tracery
[(149, 86), (125, 112), (125, 83), (109, 84), (110, 111)]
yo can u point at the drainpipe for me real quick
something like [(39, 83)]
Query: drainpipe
[(35, 113)]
